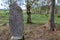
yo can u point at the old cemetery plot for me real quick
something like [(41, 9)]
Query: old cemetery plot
[(35, 31)]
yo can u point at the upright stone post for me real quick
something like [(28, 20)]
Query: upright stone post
[(16, 22)]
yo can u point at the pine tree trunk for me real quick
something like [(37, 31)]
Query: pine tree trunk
[(51, 17)]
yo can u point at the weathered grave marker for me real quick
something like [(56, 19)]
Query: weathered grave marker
[(16, 22)]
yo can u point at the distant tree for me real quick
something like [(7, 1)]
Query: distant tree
[(29, 4), (47, 6), (51, 16), (11, 1)]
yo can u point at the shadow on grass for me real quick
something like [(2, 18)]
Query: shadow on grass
[(35, 23)]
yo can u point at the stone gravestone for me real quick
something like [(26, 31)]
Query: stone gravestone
[(16, 22)]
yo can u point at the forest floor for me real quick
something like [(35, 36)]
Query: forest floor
[(33, 32)]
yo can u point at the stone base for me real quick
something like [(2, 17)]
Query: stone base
[(22, 38), (17, 38)]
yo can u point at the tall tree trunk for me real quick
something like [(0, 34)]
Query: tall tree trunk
[(28, 14), (51, 17)]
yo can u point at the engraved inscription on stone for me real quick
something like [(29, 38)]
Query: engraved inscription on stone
[(16, 20)]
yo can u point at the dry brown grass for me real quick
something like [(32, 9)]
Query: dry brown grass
[(4, 33), (32, 33)]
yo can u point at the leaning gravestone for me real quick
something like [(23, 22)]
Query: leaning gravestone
[(16, 22)]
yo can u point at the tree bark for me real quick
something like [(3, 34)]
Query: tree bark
[(28, 14), (51, 17)]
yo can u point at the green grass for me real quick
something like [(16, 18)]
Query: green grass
[(36, 18)]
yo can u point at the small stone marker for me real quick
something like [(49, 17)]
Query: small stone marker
[(16, 22)]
